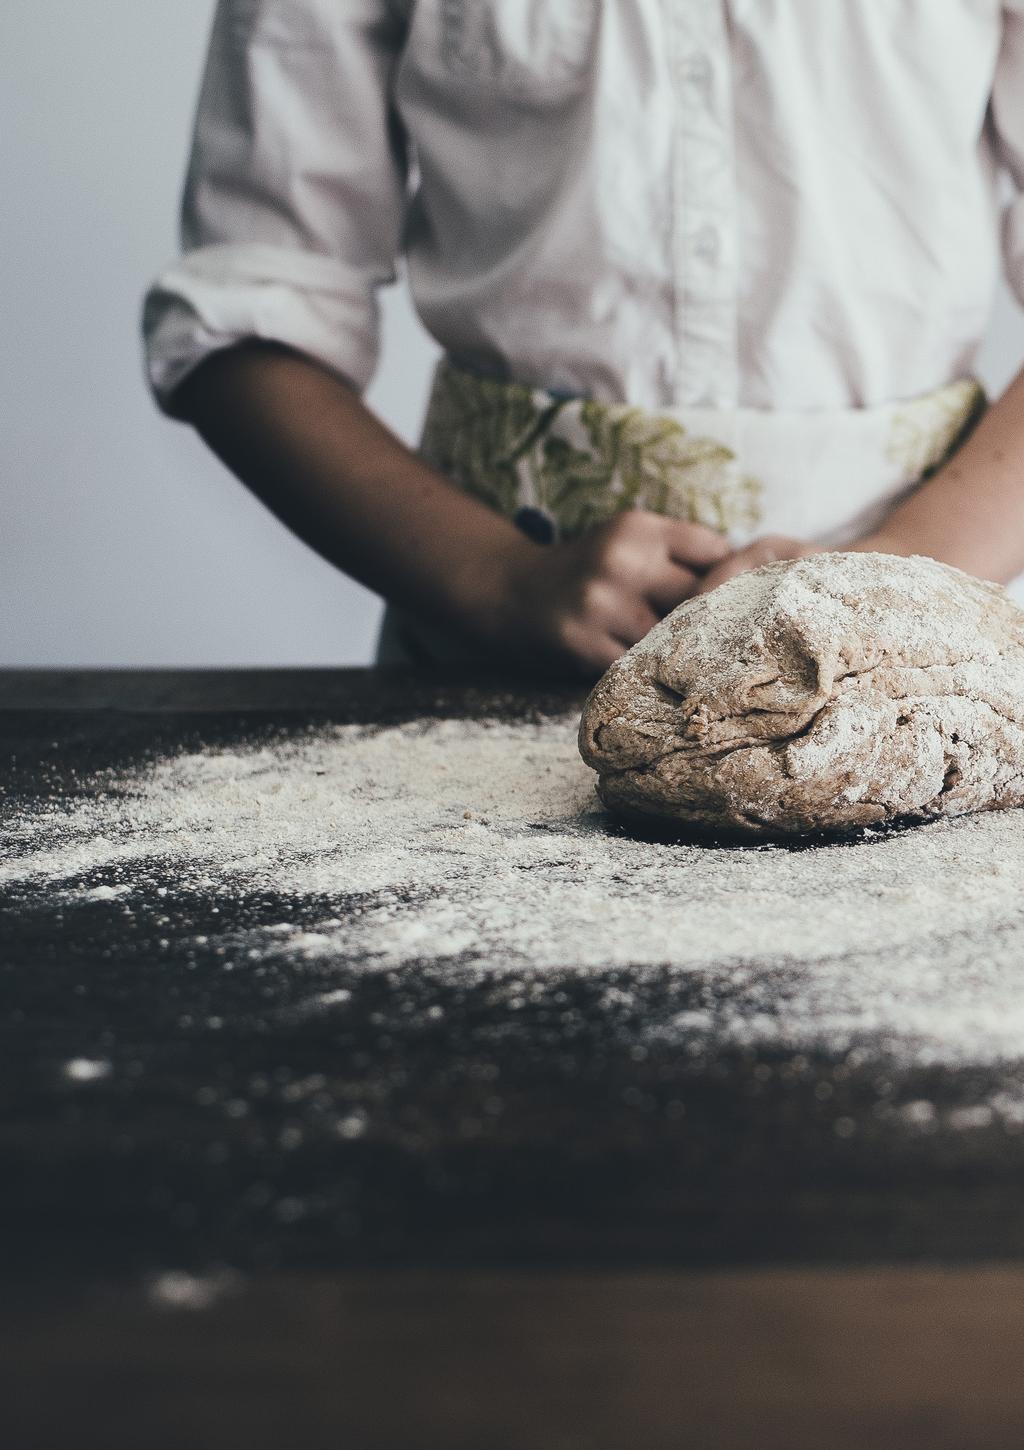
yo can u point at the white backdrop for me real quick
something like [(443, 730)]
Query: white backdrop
[(122, 542)]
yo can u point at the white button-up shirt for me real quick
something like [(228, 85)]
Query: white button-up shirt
[(777, 204)]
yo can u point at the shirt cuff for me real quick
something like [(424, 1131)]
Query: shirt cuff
[(218, 296)]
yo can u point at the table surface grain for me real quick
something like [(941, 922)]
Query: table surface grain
[(615, 1186)]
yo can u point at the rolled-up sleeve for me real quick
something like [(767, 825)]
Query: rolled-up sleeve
[(294, 200), (1008, 120)]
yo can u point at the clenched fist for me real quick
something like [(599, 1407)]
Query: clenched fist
[(585, 602)]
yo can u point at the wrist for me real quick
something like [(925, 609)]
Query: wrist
[(944, 552), (886, 541), (491, 585), (874, 544)]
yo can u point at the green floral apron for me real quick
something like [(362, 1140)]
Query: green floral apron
[(558, 466)]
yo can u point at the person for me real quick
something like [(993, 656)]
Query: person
[(709, 279)]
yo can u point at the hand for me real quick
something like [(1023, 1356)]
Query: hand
[(761, 551), (587, 601)]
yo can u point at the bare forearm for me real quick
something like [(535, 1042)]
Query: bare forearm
[(303, 441), (971, 512), (306, 444)]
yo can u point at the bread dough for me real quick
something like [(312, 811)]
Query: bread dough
[(839, 690)]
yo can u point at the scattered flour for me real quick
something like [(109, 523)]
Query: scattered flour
[(178, 1290), (87, 1069), (481, 846)]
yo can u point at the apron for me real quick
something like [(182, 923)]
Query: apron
[(559, 465)]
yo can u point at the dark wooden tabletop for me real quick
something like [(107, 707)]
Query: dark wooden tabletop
[(634, 1223)]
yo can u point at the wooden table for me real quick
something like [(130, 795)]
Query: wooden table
[(641, 1250)]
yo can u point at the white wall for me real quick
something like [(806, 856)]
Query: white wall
[(121, 541)]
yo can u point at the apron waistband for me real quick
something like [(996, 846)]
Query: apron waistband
[(559, 465)]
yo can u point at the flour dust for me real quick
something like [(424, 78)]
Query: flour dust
[(480, 847)]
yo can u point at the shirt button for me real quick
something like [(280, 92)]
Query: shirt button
[(696, 68)]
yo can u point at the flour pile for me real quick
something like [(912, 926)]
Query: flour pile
[(481, 846)]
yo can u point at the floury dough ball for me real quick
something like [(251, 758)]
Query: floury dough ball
[(840, 690)]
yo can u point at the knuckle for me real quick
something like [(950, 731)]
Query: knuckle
[(612, 556), (606, 552), (593, 595), (634, 527)]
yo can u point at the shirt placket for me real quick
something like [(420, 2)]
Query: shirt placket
[(704, 205)]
